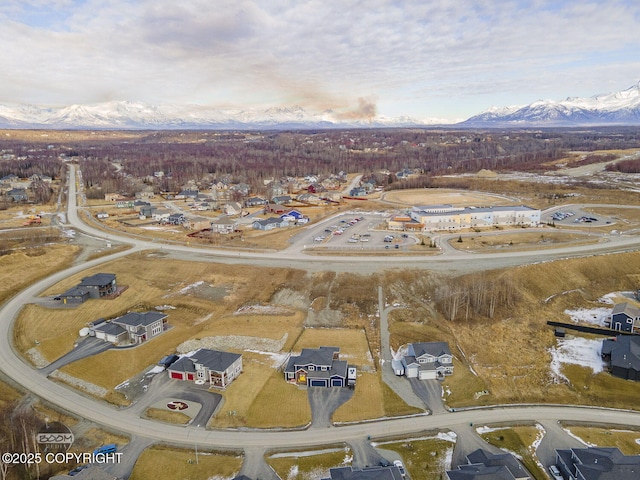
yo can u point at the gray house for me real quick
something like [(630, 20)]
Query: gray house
[(99, 285), (623, 356), (428, 360), (75, 294), (270, 223), (320, 367), (132, 327), (483, 465), (595, 463), (224, 225), (625, 318), (205, 365)]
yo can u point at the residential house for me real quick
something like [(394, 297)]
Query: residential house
[(139, 204), (18, 195), (176, 219), (161, 215), (428, 360), (127, 203), (282, 199), (112, 197), (309, 198), (187, 194), (146, 192), (623, 356), (625, 318), (294, 216), (357, 192), (368, 473), (223, 225), (75, 294), (99, 285), (217, 368), (9, 179), (320, 367), (483, 465), (270, 223), (276, 208), (597, 463), (315, 188), (232, 208), (147, 210), (132, 327), (255, 202)]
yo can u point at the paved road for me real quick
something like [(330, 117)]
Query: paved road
[(255, 441)]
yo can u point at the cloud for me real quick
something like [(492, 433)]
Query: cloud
[(318, 54)]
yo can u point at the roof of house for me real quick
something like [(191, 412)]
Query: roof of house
[(224, 221), (596, 463), (97, 280), (370, 473), (489, 459), (76, 291), (627, 309), (322, 356), (624, 351), (214, 360), (484, 465), (135, 319), (270, 220), (110, 328), (480, 472), (434, 349)]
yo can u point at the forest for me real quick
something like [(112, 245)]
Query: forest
[(111, 159)]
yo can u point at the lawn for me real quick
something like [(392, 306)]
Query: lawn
[(354, 347), (167, 416), (519, 440), (519, 241), (423, 458), (628, 441), (303, 465), (177, 464)]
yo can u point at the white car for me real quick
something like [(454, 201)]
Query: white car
[(398, 463), (555, 473)]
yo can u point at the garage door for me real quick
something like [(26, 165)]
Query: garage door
[(318, 383), (336, 382), (177, 375), (428, 375)]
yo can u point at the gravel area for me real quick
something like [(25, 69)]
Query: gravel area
[(36, 357), (234, 342), (81, 384)]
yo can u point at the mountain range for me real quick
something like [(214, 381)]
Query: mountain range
[(620, 108)]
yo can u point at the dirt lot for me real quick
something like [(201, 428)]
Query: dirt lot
[(446, 196)]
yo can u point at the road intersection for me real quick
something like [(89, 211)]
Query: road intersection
[(130, 423)]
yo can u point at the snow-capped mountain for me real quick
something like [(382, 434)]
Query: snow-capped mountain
[(137, 115), (621, 108)]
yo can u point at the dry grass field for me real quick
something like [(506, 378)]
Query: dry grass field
[(255, 398), (625, 217), (164, 462), (439, 196), (628, 441), (15, 217), (300, 465), (423, 458), (20, 269), (521, 241), (8, 395)]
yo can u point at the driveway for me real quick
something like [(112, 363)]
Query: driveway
[(324, 401), (430, 392), (87, 347)]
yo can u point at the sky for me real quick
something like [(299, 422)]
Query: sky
[(425, 59)]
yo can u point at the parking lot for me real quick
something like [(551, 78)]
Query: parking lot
[(574, 216), (355, 231)]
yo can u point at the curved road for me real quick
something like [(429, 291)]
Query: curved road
[(102, 413)]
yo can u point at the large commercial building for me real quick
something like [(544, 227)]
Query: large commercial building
[(447, 217)]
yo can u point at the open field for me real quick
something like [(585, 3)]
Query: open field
[(626, 217), (15, 217), (425, 458), (353, 344), (628, 441), (8, 395), (165, 462), (518, 241), (22, 268), (304, 465), (519, 440), (440, 196)]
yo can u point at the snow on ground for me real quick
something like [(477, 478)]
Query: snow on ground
[(156, 369), (293, 472), (485, 429), (189, 287), (577, 351), (608, 298), (448, 436), (262, 310), (539, 437), (595, 316), (278, 358), (571, 434)]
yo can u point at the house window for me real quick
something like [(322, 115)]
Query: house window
[(311, 368), (629, 320)]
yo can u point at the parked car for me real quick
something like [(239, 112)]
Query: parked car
[(555, 473), (400, 466), (168, 360)]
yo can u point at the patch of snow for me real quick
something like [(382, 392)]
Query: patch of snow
[(448, 458), (401, 353), (595, 316), (262, 310), (189, 287), (638, 441), (539, 436), (608, 298), (577, 351), (156, 369), (486, 429), (278, 358), (69, 233), (164, 307), (448, 436), (293, 472), (62, 217)]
